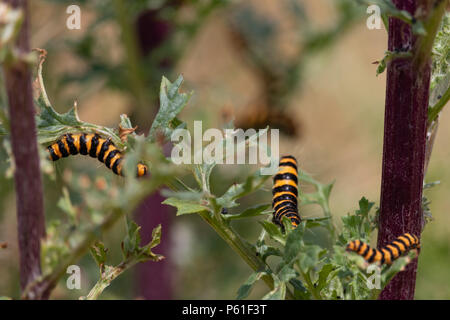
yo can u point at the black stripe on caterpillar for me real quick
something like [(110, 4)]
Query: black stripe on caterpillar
[(285, 192), (386, 255), (96, 147)]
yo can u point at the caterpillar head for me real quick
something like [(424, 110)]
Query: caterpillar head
[(141, 170)]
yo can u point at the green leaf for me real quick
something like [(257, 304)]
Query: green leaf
[(273, 231), (309, 257), (364, 207), (265, 251), (184, 206), (52, 125), (389, 56), (145, 253), (236, 191), (131, 243), (253, 211), (441, 60), (171, 104), (294, 243), (202, 174), (98, 252), (65, 204), (278, 293), (323, 276), (156, 237), (398, 265), (246, 288), (316, 222), (300, 291), (287, 273), (418, 28)]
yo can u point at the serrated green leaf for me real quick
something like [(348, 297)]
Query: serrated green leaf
[(309, 257), (398, 265), (246, 288), (323, 276), (51, 125), (364, 207), (287, 273), (300, 291), (294, 243), (273, 231), (253, 211), (171, 104), (184, 206), (98, 252), (145, 253), (316, 222), (65, 204), (156, 237), (132, 240), (236, 191), (265, 251)]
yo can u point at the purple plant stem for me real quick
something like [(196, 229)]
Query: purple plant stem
[(27, 175), (155, 279), (407, 94)]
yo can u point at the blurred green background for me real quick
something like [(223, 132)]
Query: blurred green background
[(302, 66)]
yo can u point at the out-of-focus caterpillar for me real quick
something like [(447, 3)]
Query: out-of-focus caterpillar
[(386, 255), (95, 146), (285, 192)]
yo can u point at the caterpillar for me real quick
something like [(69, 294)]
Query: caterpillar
[(284, 192), (96, 147), (388, 253)]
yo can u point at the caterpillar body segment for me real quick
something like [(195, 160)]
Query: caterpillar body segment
[(386, 255), (96, 147), (285, 192)]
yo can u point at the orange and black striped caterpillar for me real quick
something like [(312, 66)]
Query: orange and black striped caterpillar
[(95, 146), (284, 191), (388, 253)]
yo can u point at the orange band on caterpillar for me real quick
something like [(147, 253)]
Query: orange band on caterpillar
[(386, 255), (96, 147), (285, 192)]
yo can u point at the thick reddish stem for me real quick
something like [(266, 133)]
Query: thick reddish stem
[(407, 94), (27, 175), (155, 280)]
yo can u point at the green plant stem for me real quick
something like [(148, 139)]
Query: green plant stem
[(107, 277), (136, 73), (331, 228), (49, 282), (241, 248), (434, 111), (425, 43)]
